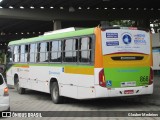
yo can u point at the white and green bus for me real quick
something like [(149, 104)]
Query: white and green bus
[(83, 64)]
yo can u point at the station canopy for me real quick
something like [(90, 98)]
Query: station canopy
[(26, 18), (80, 3)]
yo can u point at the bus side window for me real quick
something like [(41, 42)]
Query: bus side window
[(56, 51), (85, 50), (16, 54), (60, 50), (32, 53), (71, 50), (68, 57), (42, 52), (22, 52)]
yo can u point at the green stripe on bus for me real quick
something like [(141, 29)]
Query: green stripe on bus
[(55, 36)]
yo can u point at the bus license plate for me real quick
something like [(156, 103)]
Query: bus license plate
[(128, 84), (128, 91)]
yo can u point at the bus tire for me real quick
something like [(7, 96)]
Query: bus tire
[(56, 98), (19, 89)]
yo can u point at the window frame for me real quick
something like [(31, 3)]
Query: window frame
[(18, 53), (91, 50), (57, 51), (72, 51), (77, 44)]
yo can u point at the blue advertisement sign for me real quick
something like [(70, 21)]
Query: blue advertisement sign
[(111, 35), (112, 43)]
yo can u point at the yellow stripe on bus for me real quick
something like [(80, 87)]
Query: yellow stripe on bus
[(21, 65), (79, 70), (108, 62)]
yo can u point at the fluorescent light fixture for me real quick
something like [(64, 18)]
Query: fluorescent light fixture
[(79, 8), (32, 7), (61, 8), (42, 7), (21, 7), (11, 7), (1, 0), (51, 7)]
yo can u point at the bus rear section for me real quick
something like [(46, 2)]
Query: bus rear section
[(126, 63)]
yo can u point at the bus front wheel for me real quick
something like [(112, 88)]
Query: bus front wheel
[(56, 98), (19, 89)]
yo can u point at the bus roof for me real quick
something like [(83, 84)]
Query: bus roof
[(82, 32)]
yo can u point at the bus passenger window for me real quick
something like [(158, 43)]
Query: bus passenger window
[(16, 54), (85, 50), (42, 52), (56, 51), (32, 52), (22, 53), (71, 48), (68, 50)]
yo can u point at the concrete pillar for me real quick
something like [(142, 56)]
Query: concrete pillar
[(57, 25)]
